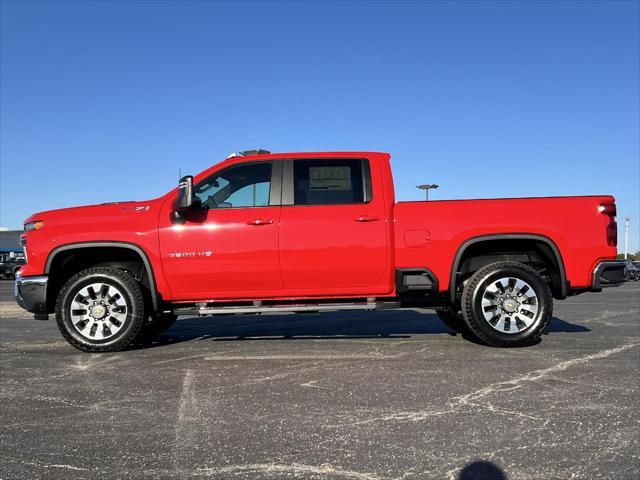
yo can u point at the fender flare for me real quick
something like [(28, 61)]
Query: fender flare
[(507, 236), (155, 297)]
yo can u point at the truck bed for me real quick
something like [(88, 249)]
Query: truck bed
[(575, 225)]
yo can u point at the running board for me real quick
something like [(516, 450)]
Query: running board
[(258, 307), (317, 307)]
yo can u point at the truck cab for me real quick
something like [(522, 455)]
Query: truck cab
[(270, 227)]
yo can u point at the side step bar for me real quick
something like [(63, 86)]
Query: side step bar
[(257, 308)]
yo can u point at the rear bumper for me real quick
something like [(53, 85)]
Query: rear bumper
[(31, 294), (608, 274)]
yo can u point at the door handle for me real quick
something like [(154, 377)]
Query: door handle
[(260, 221), (367, 218)]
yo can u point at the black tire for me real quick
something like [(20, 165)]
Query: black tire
[(14, 274), (131, 297), (487, 278), (453, 320), (157, 324)]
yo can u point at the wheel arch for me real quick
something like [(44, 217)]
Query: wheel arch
[(474, 241), (130, 247)]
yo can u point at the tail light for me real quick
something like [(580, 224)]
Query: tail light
[(609, 209)]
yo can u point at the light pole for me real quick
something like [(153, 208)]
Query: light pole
[(626, 237), (426, 189)]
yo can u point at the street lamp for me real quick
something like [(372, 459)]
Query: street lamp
[(426, 189), (626, 237)]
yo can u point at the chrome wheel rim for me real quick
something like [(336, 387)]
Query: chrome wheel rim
[(98, 311), (510, 305)]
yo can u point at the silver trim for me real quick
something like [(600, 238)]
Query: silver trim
[(601, 267), (320, 307), (98, 311), (248, 153), (31, 294), (27, 281), (510, 305), (40, 280)]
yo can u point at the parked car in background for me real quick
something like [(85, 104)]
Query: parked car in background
[(10, 263), (631, 271)]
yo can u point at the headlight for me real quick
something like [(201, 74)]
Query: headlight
[(37, 225)]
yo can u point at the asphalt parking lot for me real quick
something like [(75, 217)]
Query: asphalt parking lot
[(385, 395)]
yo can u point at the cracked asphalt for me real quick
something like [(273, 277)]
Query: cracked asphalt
[(383, 395)]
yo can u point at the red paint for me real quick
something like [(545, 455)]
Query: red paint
[(321, 251)]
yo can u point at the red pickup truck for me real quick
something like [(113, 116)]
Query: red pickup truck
[(264, 232)]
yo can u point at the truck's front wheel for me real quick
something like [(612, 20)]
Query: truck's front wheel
[(100, 309), (507, 304)]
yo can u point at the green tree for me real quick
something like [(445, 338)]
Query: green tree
[(631, 256)]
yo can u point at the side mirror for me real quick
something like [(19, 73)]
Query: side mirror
[(185, 199), (185, 193)]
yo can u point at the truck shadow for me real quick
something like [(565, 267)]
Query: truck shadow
[(322, 326), (482, 469)]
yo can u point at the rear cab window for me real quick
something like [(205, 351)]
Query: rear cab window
[(331, 182)]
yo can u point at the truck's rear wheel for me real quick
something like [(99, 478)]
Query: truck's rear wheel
[(100, 309), (507, 304)]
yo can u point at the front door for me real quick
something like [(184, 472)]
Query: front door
[(228, 245), (333, 235)]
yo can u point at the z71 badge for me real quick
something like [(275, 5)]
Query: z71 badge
[(189, 254)]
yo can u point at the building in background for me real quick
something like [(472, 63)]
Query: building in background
[(10, 241)]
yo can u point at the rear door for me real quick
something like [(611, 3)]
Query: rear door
[(333, 237)]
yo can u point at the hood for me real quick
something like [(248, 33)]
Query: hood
[(94, 212)]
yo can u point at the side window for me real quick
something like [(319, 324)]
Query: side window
[(245, 185), (329, 182)]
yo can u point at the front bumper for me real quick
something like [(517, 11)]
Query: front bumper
[(608, 274), (31, 294)]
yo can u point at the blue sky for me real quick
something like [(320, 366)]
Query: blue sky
[(105, 101)]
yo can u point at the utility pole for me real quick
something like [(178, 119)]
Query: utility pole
[(626, 237), (426, 189)]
